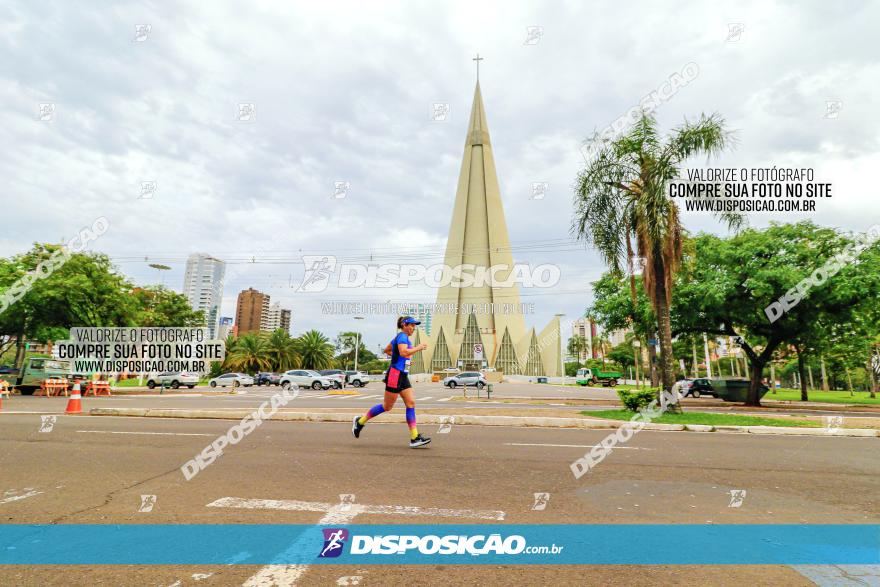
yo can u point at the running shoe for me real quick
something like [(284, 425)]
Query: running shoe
[(419, 441), (356, 426)]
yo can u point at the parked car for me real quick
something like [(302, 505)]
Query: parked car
[(173, 378), (305, 378), (699, 387), (337, 376), (594, 376), (232, 380), (471, 378), (267, 379), (357, 378)]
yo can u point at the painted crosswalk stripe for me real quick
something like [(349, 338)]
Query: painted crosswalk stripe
[(18, 497), (424, 399), (445, 399)]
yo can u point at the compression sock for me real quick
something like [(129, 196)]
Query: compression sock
[(411, 422), (374, 411)]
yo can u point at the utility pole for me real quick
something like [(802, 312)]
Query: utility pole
[(708, 360), (357, 344)]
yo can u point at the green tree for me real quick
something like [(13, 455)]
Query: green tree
[(282, 350), (315, 350), (578, 344), (250, 354), (621, 198), (156, 306), (730, 285)]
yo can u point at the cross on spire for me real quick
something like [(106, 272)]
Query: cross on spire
[(478, 59)]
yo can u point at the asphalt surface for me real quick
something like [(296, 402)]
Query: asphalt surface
[(532, 397), (95, 470)]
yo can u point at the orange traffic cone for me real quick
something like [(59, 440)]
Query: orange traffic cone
[(74, 404)]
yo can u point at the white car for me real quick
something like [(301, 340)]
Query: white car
[(173, 378), (232, 380), (357, 378), (305, 378)]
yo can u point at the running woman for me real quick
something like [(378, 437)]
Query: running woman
[(397, 382)]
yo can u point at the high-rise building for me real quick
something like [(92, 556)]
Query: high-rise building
[(276, 318), (251, 311), (203, 287), (581, 327), (478, 237), (225, 328)]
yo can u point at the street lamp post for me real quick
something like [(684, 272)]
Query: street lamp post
[(357, 344)]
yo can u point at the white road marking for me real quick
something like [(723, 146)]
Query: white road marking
[(445, 399), (336, 514), (312, 506), (18, 497), (146, 433), (424, 399), (574, 445), (371, 396)]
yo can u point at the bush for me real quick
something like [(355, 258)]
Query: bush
[(637, 400)]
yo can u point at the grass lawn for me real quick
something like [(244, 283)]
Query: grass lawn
[(829, 397), (711, 419)]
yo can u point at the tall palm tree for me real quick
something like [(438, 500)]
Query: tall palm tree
[(315, 350), (282, 351), (250, 354), (577, 344), (621, 199)]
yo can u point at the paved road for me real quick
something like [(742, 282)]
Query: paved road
[(428, 395), (95, 469)]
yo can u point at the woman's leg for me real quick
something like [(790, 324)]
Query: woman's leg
[(386, 406), (409, 401)]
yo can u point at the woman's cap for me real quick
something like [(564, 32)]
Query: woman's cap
[(409, 320)]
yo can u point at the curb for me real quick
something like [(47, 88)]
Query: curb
[(474, 420)]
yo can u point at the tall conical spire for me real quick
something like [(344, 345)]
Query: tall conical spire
[(478, 236)]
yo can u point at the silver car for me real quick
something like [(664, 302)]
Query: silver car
[(173, 378), (232, 380), (305, 378), (466, 379)]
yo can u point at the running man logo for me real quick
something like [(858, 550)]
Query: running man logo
[(319, 268), (334, 541)]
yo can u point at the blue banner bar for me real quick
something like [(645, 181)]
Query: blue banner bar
[(613, 544)]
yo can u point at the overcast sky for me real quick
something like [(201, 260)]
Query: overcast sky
[(344, 92)]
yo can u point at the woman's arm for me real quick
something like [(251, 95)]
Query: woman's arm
[(408, 352), (388, 349)]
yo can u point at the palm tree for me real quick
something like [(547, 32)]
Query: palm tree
[(315, 350), (281, 349), (622, 198), (250, 354), (577, 344)]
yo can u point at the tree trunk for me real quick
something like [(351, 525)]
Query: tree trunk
[(802, 368), (824, 376), (753, 399), (873, 380), (19, 351), (652, 363), (667, 365)]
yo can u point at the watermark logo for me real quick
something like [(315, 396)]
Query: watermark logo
[(141, 32), (541, 501), (832, 109), (334, 541), (439, 111), (148, 190), (346, 500), (318, 272), (340, 189), (735, 31), (247, 112), (46, 111), (833, 424), (237, 432), (539, 190), (47, 423), (533, 35), (147, 503), (737, 497), (446, 423)]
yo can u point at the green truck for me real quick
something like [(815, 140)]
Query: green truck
[(594, 376), (34, 370)]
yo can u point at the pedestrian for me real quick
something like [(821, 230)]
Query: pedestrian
[(397, 382)]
